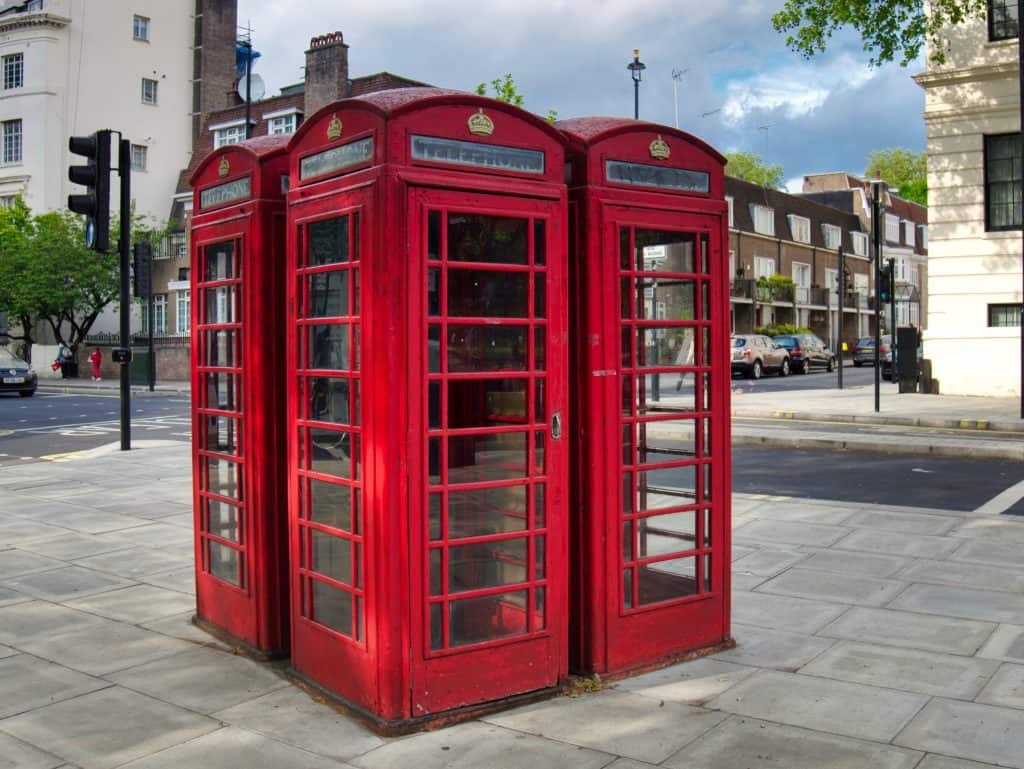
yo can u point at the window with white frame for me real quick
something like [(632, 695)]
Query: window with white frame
[(832, 281), (6, 201), (802, 279), (183, 316), (732, 264), (915, 275), (764, 219), (282, 124), (729, 202), (860, 284), (800, 228), (140, 154), (908, 232), (140, 28), (922, 234), (764, 266), (232, 134), (892, 228), (14, 71), (859, 243), (160, 313), (901, 270), (11, 141), (832, 235), (149, 91)]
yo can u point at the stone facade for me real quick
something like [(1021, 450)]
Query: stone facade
[(973, 266)]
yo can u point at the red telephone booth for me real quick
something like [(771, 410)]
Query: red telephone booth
[(651, 491), (238, 445), (426, 393)]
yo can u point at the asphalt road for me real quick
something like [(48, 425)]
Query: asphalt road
[(46, 424), (816, 380), (950, 484)]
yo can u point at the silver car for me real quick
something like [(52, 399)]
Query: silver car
[(755, 354)]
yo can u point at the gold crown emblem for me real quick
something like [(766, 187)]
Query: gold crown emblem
[(480, 124), (224, 168), (659, 149), (334, 128)]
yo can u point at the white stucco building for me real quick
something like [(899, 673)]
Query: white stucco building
[(71, 67), (974, 207)]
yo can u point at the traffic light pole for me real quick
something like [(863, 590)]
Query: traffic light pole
[(124, 152), (842, 292), (876, 232), (893, 345)]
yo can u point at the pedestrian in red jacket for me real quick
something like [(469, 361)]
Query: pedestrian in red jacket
[(95, 359)]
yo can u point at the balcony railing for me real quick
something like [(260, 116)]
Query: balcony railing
[(741, 288), (767, 293)]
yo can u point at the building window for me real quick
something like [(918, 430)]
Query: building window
[(178, 247), (12, 141), (14, 71), (1002, 182), (1002, 19), (922, 235), (149, 91), (6, 201), (764, 266), (859, 241), (283, 124), (800, 227), (908, 233), (139, 153), (140, 28), (764, 219), (832, 235), (1004, 315), (229, 135), (159, 313), (184, 312), (728, 200), (892, 228)]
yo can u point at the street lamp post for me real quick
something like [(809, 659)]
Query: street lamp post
[(636, 69)]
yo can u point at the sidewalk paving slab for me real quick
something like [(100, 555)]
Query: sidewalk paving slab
[(833, 587), (778, 612), (1006, 643), (898, 543), (910, 630), (475, 745), (854, 563), (30, 683), (1006, 687), (692, 684), (20, 755), (986, 605), (967, 730), (763, 648), (745, 743), (910, 670), (108, 728), (959, 574), (838, 707), (614, 722)]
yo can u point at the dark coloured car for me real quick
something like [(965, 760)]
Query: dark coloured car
[(807, 352), (755, 354), (16, 375), (864, 352)]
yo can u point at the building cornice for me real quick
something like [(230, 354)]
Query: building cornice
[(966, 74), (30, 20)]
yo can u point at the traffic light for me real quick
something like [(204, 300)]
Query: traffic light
[(94, 205), (142, 270), (885, 282)]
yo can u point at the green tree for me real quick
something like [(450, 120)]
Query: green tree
[(904, 170), (889, 29), (750, 167), (505, 89), (47, 275)]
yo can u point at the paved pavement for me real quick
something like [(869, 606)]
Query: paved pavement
[(869, 637)]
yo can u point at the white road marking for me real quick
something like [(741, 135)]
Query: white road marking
[(921, 470), (1003, 501)]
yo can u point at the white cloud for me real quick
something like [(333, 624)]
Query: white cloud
[(793, 91)]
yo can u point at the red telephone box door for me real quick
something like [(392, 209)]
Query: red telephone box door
[(488, 493), (667, 540)]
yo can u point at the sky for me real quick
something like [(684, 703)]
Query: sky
[(740, 88)]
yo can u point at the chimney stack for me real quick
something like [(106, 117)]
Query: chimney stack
[(326, 71), (214, 73)]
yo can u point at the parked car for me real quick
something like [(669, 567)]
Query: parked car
[(16, 375), (807, 351), (755, 354), (864, 352)]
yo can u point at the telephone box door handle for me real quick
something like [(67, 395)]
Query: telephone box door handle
[(556, 425)]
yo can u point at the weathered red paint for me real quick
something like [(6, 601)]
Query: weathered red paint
[(394, 235), (237, 395), (649, 604)]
